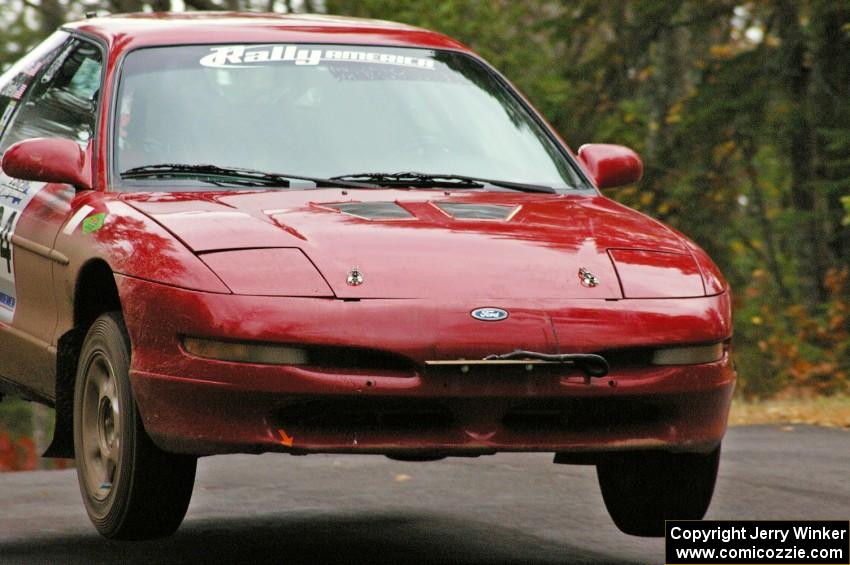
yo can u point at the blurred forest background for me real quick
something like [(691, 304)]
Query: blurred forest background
[(740, 110)]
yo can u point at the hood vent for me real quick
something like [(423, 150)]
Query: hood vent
[(371, 210), (460, 211)]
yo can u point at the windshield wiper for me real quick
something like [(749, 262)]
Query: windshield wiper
[(439, 180), (233, 175)]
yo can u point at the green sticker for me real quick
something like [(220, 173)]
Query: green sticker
[(93, 222)]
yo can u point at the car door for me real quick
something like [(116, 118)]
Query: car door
[(57, 98)]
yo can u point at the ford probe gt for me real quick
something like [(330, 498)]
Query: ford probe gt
[(242, 233)]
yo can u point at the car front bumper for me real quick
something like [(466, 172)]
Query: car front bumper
[(202, 406)]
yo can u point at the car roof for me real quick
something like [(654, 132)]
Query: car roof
[(127, 31)]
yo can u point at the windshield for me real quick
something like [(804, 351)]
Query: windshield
[(325, 111)]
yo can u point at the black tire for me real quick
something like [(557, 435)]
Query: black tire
[(643, 489), (131, 489)]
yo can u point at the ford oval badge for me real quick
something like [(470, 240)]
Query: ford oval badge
[(489, 314)]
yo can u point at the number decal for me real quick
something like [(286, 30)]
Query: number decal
[(5, 237), (15, 194)]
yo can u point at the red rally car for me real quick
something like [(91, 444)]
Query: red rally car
[(226, 233)]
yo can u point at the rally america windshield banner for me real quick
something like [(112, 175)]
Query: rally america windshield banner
[(240, 56)]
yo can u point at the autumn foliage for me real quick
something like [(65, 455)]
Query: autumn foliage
[(17, 455), (811, 349)]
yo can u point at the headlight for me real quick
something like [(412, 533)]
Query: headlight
[(266, 354), (691, 355)]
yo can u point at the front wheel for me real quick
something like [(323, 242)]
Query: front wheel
[(131, 489), (643, 489)]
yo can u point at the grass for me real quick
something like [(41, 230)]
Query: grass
[(15, 417), (832, 412)]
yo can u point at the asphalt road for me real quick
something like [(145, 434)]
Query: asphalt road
[(511, 508)]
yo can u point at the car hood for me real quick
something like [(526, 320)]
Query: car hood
[(427, 243)]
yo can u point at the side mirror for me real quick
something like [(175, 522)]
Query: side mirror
[(48, 160), (611, 165)]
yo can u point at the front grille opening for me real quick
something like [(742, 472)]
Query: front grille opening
[(367, 361), (366, 415), (501, 373), (582, 414), (628, 357)]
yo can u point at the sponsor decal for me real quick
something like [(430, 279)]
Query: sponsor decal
[(7, 302), (489, 314), (77, 219), (16, 88), (94, 222), (239, 56), (15, 195), (7, 114), (33, 69)]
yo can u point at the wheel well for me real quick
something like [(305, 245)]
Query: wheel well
[(95, 293)]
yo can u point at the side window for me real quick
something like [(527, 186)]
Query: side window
[(63, 101), (19, 77)]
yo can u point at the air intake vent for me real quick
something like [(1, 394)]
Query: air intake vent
[(371, 210), (461, 211)]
